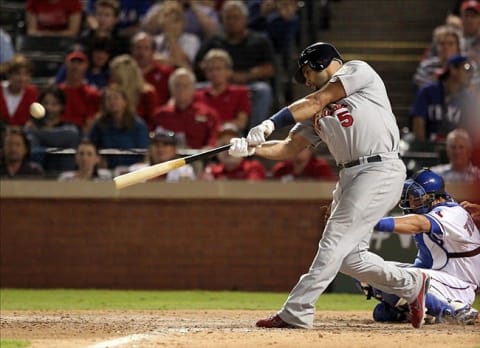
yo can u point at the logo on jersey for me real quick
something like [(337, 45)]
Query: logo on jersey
[(469, 226), (340, 111)]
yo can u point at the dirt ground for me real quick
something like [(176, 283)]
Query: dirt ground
[(229, 329)]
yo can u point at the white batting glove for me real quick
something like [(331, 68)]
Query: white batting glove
[(240, 148), (256, 136)]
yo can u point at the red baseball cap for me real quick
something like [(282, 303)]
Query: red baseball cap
[(470, 5), (76, 55)]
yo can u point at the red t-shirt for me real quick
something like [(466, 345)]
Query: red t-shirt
[(82, 103), (228, 104), (22, 113), (199, 123), (247, 170), (53, 15), (146, 107), (316, 168), (158, 77)]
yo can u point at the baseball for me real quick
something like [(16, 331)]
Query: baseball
[(37, 110)]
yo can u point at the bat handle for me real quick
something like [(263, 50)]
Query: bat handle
[(206, 154)]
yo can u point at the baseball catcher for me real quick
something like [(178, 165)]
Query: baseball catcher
[(448, 243)]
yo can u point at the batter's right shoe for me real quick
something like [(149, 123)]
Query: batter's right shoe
[(274, 322), (417, 308)]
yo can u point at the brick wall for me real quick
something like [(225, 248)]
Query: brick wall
[(157, 243)]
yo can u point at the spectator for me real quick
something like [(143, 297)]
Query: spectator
[(7, 51), (87, 160), (97, 74), (100, 53), (447, 42), (118, 127), (232, 102), (447, 104), (51, 130), (201, 18), (470, 15), (82, 98), (106, 17), (252, 56), (459, 152), (233, 168), (163, 147), (175, 46), (54, 17), (452, 21), (155, 73), (125, 72), (190, 119), (131, 14), (305, 166), (279, 20), (15, 160), (16, 93)]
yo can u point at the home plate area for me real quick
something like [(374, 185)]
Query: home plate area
[(225, 328)]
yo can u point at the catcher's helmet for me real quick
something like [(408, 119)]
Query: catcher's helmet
[(421, 190), (318, 56)]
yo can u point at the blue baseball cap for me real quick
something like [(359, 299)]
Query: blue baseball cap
[(456, 61)]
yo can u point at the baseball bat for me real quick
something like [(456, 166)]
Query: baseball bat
[(150, 172)]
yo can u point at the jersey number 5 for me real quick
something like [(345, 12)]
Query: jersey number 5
[(346, 120)]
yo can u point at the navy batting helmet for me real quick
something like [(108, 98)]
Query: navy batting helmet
[(421, 190), (318, 56)]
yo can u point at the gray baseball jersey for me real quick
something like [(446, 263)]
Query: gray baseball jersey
[(362, 124), (357, 127)]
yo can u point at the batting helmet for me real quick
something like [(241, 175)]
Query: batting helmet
[(421, 190), (318, 56)]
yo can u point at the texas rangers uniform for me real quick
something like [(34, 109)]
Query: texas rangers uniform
[(452, 249)]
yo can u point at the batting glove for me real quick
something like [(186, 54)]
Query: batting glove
[(256, 136), (240, 148)]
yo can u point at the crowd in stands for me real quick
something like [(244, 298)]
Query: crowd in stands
[(142, 80), (446, 109)]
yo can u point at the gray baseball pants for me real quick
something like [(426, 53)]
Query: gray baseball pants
[(363, 195)]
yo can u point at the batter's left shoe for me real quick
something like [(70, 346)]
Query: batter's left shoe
[(274, 322), (417, 308)]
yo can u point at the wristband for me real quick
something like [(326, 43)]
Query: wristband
[(283, 118), (386, 224)]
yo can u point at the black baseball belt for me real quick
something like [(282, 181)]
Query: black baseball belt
[(371, 159)]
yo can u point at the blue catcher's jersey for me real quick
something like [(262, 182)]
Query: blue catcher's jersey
[(452, 244)]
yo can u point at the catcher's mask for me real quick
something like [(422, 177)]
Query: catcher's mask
[(318, 56), (420, 191)]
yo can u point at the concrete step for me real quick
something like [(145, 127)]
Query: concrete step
[(391, 35), (393, 20)]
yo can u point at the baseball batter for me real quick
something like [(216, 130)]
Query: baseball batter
[(448, 245), (350, 112)]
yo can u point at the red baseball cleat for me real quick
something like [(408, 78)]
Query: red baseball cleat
[(274, 322), (417, 307)]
